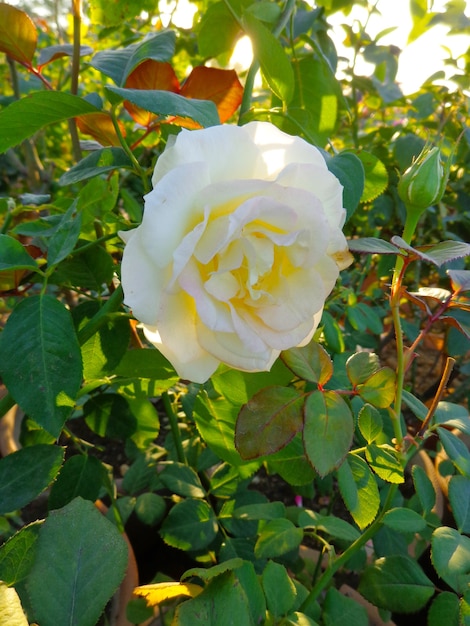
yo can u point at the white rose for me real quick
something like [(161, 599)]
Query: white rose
[(239, 246)]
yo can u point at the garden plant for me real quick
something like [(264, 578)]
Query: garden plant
[(235, 318)]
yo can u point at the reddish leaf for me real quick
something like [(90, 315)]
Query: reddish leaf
[(150, 75), (268, 422), (18, 35), (100, 127), (220, 86), (311, 362)]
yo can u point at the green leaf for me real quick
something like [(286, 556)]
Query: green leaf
[(278, 588), (396, 583), (40, 360), (338, 609), (104, 350), (22, 118), (65, 236), (190, 525), (459, 496), (223, 597), (424, 489), (260, 511), (370, 422), (11, 611), (90, 269), (450, 554), (277, 538), (379, 389), (269, 421), (376, 177), (80, 476), (17, 554), (328, 430), (238, 387), (452, 415), (150, 508), (291, 463), (359, 490), (404, 520), (26, 473), (215, 420), (97, 163), (372, 245), (274, 62), (13, 256), (350, 172), (109, 415), (456, 450), (167, 103), (385, 462), (207, 574), (333, 526), (445, 251), (182, 480), (146, 363), (81, 559), (311, 362), (118, 64), (218, 31), (361, 366), (51, 53), (444, 609)]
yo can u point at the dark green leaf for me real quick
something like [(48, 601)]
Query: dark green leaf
[(167, 103), (277, 538), (13, 256), (90, 269), (456, 450), (80, 560), (274, 62), (51, 53), (17, 554), (339, 609), (450, 554), (359, 490), (190, 525), (65, 236), (459, 496), (404, 520), (328, 430), (40, 360), (268, 421), (310, 362), (223, 597), (150, 508), (291, 463), (278, 588), (396, 583), (80, 476), (350, 172), (109, 415), (97, 163), (372, 245), (424, 488), (182, 480), (444, 609), (26, 473), (22, 118)]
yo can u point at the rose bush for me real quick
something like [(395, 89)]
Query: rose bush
[(239, 246)]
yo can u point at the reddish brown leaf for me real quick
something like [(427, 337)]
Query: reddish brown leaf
[(220, 86), (150, 75), (18, 36), (100, 127)]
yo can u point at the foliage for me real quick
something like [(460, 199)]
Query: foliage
[(343, 423)]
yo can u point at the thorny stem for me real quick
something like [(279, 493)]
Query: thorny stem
[(175, 431)]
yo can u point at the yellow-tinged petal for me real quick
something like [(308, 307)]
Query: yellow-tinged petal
[(156, 593)]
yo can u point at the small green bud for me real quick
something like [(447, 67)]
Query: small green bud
[(424, 182)]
